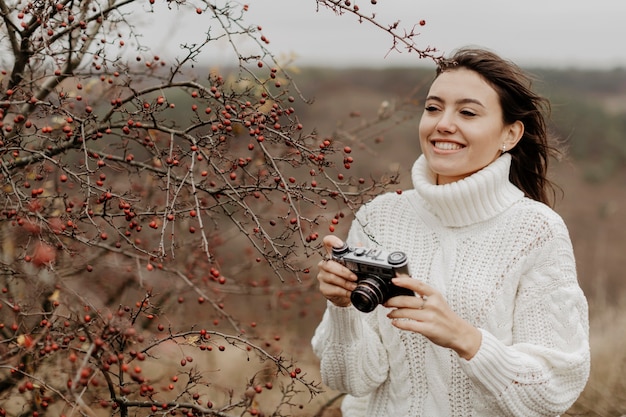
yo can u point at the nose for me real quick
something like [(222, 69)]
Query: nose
[(446, 123)]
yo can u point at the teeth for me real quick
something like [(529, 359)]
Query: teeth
[(447, 146)]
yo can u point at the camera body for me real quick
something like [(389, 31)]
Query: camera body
[(374, 269)]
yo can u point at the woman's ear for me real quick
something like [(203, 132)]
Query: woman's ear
[(514, 134)]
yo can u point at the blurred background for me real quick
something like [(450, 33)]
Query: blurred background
[(354, 74)]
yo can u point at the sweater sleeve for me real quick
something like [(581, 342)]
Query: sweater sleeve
[(352, 357), (545, 368)]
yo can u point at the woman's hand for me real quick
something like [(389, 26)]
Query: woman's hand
[(430, 315), (336, 282)]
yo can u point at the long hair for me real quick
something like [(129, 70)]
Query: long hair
[(531, 155)]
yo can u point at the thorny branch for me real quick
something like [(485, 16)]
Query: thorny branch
[(130, 184)]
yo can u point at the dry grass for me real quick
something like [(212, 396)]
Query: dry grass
[(605, 393)]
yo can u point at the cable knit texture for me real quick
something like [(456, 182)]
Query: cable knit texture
[(504, 263)]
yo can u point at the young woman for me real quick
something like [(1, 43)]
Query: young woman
[(498, 325)]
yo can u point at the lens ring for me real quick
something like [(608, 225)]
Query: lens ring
[(370, 291), (362, 300)]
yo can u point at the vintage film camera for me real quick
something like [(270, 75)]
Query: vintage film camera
[(374, 269)]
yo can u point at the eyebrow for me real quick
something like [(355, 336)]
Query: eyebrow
[(461, 101)]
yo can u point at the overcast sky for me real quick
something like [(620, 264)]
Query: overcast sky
[(558, 33)]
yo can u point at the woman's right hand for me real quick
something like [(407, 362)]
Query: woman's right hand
[(336, 282)]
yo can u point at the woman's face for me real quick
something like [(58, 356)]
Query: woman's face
[(462, 129)]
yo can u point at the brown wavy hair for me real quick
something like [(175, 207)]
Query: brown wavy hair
[(532, 154)]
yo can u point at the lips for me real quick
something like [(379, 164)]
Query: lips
[(447, 146)]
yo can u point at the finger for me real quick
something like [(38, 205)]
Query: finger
[(332, 291), (409, 324), (335, 274), (335, 268), (337, 280), (335, 288), (420, 287), (332, 241), (405, 301), (404, 314)]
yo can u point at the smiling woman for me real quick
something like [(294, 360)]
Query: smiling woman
[(499, 325), (462, 129), (518, 113)]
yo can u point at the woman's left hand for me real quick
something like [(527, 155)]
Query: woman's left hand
[(430, 315)]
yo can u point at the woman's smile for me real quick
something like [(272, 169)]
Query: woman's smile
[(447, 146)]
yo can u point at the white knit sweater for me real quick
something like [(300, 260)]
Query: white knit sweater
[(504, 263)]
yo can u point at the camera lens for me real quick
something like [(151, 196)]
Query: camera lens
[(369, 292)]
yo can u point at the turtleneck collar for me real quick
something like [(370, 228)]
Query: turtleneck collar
[(473, 199)]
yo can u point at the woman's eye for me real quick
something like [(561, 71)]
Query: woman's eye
[(468, 113), (430, 108)]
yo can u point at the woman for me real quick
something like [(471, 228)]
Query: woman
[(498, 325)]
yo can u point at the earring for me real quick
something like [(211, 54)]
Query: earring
[(503, 147)]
